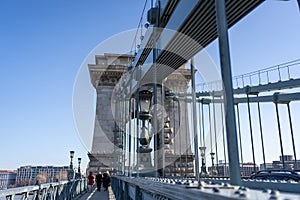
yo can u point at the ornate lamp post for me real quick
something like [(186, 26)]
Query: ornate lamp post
[(145, 97), (71, 171), (213, 171), (79, 162), (202, 154), (144, 150), (71, 156)]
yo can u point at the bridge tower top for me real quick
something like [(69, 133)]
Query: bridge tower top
[(108, 68)]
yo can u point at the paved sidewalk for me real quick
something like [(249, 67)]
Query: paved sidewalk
[(96, 195)]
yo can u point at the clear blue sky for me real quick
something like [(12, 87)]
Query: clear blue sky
[(43, 44)]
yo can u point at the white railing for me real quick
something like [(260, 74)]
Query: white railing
[(49, 191)]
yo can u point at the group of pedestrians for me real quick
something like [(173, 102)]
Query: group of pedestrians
[(100, 179)]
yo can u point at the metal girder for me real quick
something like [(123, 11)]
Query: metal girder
[(276, 97), (189, 27), (280, 85)]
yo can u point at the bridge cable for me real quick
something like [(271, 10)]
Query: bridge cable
[(138, 27), (174, 134), (163, 129), (292, 135), (134, 132), (203, 136), (200, 127), (189, 133), (115, 137), (120, 139), (186, 132), (223, 135), (125, 135), (261, 133), (180, 132), (215, 131), (279, 133), (210, 134), (203, 128), (192, 140), (137, 127), (129, 136), (240, 136), (200, 134), (251, 131)]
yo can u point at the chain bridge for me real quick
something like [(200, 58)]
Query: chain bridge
[(165, 134)]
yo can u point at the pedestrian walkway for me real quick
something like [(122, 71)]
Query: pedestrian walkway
[(96, 195)]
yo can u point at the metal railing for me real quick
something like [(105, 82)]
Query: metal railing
[(249, 102), (189, 188), (63, 190), (277, 73)]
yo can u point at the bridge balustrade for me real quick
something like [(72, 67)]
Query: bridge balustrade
[(148, 188), (63, 190)]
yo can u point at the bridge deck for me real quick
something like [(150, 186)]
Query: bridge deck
[(96, 195)]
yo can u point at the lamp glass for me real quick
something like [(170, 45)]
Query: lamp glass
[(145, 97), (144, 103), (202, 151), (72, 154)]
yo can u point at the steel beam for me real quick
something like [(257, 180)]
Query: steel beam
[(232, 144), (282, 98), (190, 27), (281, 85)]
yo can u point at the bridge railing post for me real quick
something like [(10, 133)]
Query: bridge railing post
[(234, 165)]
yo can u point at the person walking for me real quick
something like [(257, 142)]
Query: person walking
[(106, 180), (91, 181), (99, 181)]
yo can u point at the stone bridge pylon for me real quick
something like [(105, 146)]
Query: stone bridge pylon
[(105, 74)]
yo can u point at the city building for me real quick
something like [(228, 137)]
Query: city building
[(289, 163), (7, 178), (268, 166), (30, 175), (222, 169)]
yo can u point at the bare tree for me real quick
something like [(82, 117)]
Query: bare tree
[(42, 177), (61, 175)]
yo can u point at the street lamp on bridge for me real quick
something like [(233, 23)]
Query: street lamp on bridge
[(71, 171), (71, 156), (202, 154), (213, 170), (79, 161), (144, 156), (145, 97)]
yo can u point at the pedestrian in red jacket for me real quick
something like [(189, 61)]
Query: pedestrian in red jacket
[(91, 181)]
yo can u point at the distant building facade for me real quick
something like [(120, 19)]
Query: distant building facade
[(266, 167), (289, 163), (29, 175), (7, 178), (222, 169)]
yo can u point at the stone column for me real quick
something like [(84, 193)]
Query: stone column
[(104, 75), (178, 155)]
